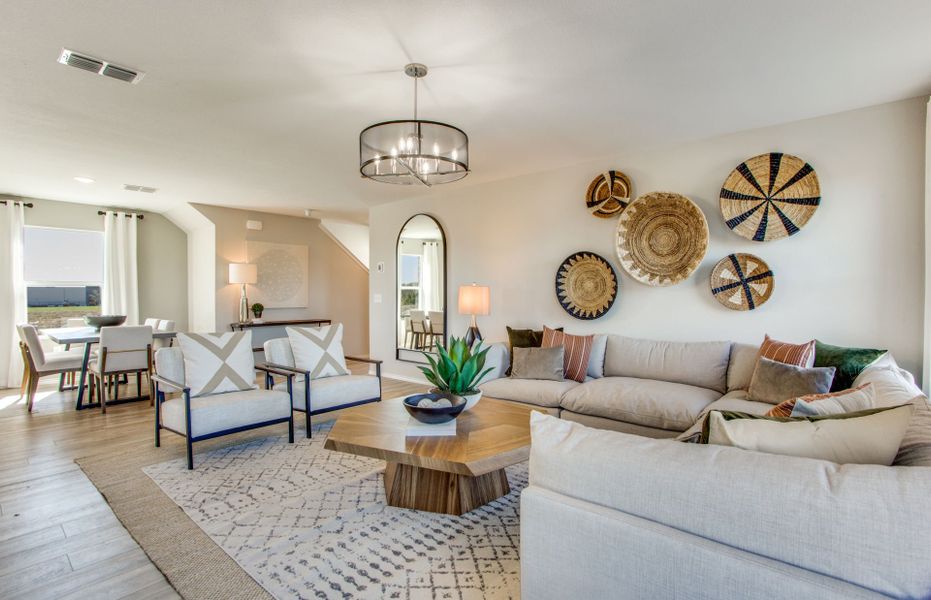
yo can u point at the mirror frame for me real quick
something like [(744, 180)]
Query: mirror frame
[(397, 300)]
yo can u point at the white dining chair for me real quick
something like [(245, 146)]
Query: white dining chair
[(418, 327), (122, 351), (437, 325), (39, 363)]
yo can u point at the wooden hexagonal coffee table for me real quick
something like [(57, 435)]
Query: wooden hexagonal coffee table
[(449, 474)]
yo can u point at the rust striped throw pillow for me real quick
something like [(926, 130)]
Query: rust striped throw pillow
[(799, 355), (784, 409), (578, 349)]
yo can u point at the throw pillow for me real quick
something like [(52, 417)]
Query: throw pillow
[(800, 355), (865, 437), (849, 362), (523, 338), (578, 349), (784, 409), (774, 381), (217, 363), (318, 350), (835, 404), (538, 363)]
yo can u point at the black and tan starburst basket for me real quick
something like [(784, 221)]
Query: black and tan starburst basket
[(608, 194), (586, 285), (770, 196), (742, 281), (662, 237)]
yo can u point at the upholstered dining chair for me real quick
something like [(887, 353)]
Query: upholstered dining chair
[(437, 326), (122, 351), (418, 327), (313, 394), (39, 363)]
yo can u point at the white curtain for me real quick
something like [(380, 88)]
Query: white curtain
[(120, 283), (12, 292), (432, 277)]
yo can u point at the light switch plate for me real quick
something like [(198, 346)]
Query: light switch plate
[(380, 267), (376, 298)]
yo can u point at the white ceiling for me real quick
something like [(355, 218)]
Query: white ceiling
[(259, 104)]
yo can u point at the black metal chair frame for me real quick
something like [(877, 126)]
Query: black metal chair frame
[(185, 391), (308, 413)]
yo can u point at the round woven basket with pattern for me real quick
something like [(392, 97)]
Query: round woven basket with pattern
[(662, 237), (586, 285), (770, 196), (742, 281), (608, 194)]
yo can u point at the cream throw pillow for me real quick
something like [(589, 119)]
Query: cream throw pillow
[(854, 401), (318, 350), (217, 363), (872, 438)]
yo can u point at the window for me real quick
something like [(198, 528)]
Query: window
[(63, 269), (410, 283)]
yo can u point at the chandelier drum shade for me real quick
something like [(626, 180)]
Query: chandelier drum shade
[(415, 151)]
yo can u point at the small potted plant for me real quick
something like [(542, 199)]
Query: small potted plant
[(257, 309), (457, 369)]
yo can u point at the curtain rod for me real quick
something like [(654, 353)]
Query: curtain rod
[(103, 212), (26, 204)]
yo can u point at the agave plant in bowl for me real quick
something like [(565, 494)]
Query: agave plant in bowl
[(457, 369)]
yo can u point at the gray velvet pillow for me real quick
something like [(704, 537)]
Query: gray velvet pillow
[(538, 363), (774, 381)]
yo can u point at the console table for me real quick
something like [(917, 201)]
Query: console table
[(265, 334)]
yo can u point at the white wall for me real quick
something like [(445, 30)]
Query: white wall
[(337, 283), (202, 258), (853, 276)]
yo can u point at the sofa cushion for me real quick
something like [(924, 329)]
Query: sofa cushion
[(860, 398), (740, 368), (532, 391), (915, 449), (220, 412), (800, 355), (333, 391), (736, 401), (577, 350), (661, 404), (849, 515), (701, 364), (849, 362), (774, 381), (596, 360), (538, 363)]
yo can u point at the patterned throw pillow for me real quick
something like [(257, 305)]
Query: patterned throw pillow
[(578, 349), (860, 398), (318, 350), (800, 355), (217, 363)]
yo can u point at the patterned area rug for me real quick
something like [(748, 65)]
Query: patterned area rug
[(306, 522)]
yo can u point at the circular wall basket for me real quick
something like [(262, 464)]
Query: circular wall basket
[(770, 196), (608, 194), (586, 285), (662, 237), (742, 281)]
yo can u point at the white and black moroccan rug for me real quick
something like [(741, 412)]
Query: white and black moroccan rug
[(306, 522)]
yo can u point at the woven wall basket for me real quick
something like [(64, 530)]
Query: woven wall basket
[(742, 281), (662, 237), (586, 285), (770, 196), (608, 194)]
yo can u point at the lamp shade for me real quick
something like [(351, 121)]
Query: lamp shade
[(243, 273), (474, 299)]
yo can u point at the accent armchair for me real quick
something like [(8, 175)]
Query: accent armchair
[(210, 416), (318, 396)]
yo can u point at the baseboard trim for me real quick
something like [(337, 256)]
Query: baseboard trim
[(407, 378)]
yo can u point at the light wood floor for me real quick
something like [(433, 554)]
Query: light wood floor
[(58, 537)]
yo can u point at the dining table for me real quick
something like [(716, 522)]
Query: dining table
[(72, 336)]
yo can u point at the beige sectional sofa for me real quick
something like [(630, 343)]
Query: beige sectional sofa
[(654, 388)]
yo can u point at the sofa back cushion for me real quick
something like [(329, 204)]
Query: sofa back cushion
[(740, 368), (854, 515), (702, 364)]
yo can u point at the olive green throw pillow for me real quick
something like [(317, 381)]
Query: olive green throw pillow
[(523, 338), (849, 362)]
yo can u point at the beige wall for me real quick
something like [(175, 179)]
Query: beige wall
[(337, 284), (853, 276), (161, 254)]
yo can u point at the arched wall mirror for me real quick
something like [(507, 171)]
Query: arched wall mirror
[(421, 288)]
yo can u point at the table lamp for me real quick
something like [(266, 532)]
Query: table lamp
[(474, 300), (243, 273)]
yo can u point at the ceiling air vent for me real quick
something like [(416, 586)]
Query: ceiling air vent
[(99, 66), (139, 188)]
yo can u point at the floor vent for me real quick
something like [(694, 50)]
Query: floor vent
[(99, 66)]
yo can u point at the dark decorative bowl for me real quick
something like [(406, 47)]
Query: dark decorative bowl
[(434, 416), (98, 321)]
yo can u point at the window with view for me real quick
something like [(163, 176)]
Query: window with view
[(63, 269), (410, 283)]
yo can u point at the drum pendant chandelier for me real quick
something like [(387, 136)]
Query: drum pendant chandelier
[(408, 152)]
